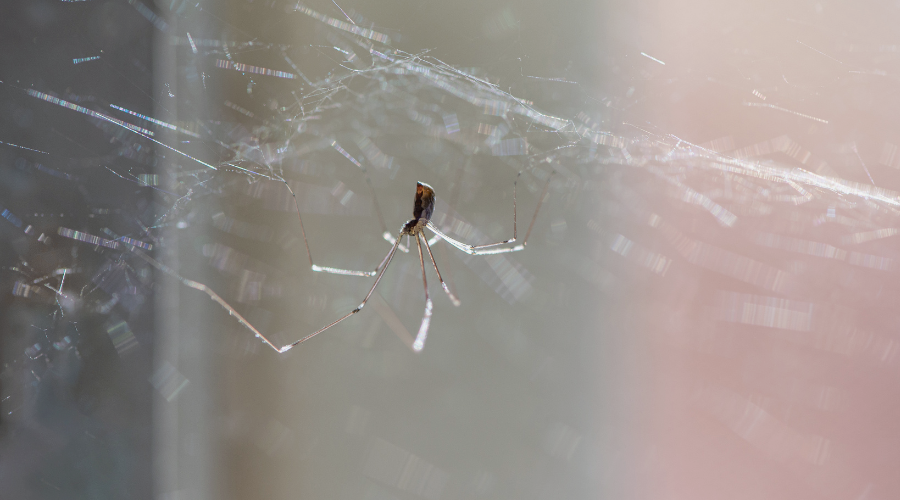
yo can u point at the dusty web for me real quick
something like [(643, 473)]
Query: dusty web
[(277, 148), (789, 231)]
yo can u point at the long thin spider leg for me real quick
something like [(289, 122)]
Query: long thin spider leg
[(390, 239), (515, 228), (426, 318), (483, 249), (446, 289), (455, 198), (388, 259), (385, 233), (208, 291), (384, 230), (440, 235), (312, 265), (231, 311), (538, 209)]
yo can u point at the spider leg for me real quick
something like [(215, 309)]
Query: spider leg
[(322, 269), (243, 321), (208, 291), (390, 239), (485, 249), (446, 289), (426, 318), (387, 262), (385, 233)]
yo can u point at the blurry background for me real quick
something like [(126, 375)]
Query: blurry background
[(705, 308)]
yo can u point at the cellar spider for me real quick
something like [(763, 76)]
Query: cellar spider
[(415, 228)]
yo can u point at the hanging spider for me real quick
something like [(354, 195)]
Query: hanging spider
[(414, 228)]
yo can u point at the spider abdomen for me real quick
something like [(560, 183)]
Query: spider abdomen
[(422, 210)]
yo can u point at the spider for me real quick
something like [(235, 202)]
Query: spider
[(414, 228)]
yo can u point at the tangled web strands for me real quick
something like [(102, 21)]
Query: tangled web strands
[(397, 93), (403, 94), (407, 82), (406, 94), (759, 232)]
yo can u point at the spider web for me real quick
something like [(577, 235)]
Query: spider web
[(130, 192)]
